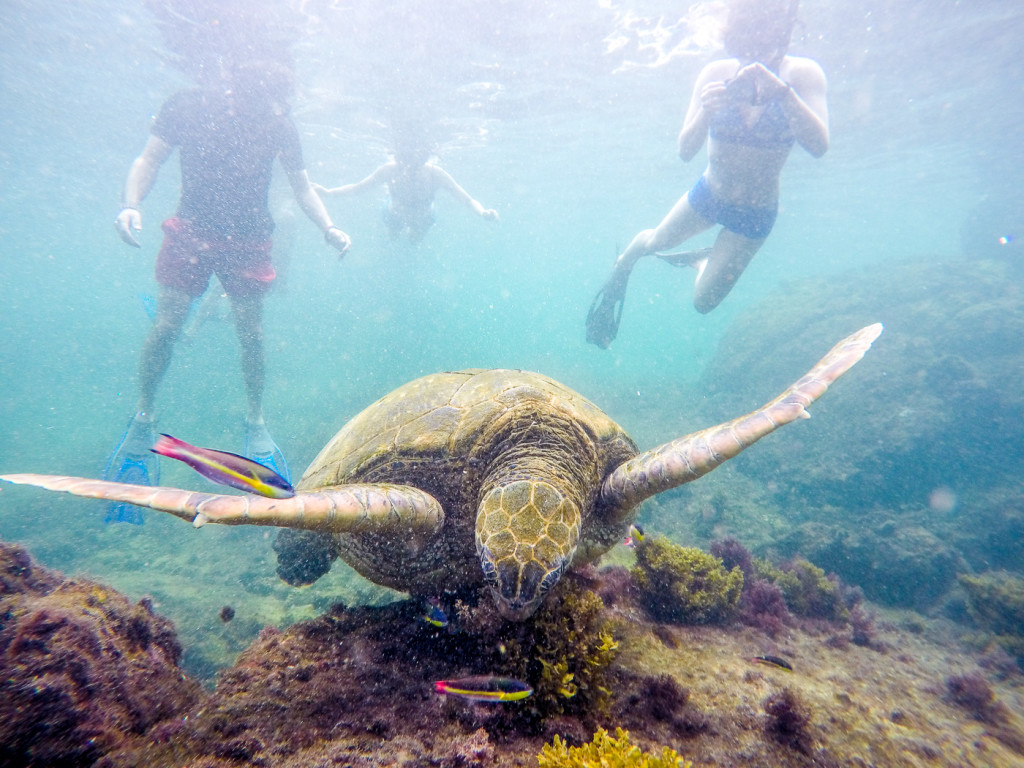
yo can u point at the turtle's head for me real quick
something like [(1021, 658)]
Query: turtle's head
[(526, 535)]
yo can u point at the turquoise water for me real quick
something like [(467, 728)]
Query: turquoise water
[(560, 115)]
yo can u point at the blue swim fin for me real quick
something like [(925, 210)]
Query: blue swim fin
[(148, 305), (261, 448), (132, 462)]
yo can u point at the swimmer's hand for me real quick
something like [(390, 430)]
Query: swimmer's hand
[(127, 221), (484, 213), (337, 239), (323, 191), (767, 86), (715, 96)]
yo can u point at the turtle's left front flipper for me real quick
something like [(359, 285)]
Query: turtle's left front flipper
[(687, 458), (343, 509)]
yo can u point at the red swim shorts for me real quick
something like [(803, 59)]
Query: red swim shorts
[(189, 256)]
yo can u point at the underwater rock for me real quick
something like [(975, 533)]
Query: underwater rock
[(906, 566), (355, 687), (82, 669), (930, 431), (953, 331), (995, 602)]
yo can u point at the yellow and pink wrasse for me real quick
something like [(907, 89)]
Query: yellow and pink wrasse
[(226, 468), (486, 688)]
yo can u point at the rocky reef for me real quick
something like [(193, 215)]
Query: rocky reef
[(910, 475), (83, 669), (91, 680)]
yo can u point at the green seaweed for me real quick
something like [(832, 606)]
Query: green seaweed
[(606, 752), (685, 585), (565, 653), (809, 592)]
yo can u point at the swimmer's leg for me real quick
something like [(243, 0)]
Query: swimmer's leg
[(681, 223), (248, 312), (718, 272), (172, 309)]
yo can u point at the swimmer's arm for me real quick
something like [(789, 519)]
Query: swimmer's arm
[(704, 98), (382, 175), (315, 210), (806, 105), (442, 179), (141, 177)]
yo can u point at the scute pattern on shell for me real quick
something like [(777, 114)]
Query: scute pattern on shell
[(441, 433)]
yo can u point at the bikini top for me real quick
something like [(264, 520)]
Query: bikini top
[(770, 130)]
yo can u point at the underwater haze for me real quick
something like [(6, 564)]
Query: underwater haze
[(562, 115)]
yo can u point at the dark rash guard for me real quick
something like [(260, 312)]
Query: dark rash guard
[(227, 155)]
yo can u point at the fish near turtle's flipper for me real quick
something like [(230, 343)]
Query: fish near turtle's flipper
[(687, 458), (343, 509)]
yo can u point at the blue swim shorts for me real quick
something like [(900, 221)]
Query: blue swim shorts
[(754, 223)]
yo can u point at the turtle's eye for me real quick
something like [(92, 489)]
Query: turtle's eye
[(552, 578), (490, 570)]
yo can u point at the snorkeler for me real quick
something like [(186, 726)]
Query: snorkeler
[(751, 109), (412, 182), (228, 135)]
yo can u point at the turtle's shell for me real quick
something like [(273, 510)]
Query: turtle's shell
[(446, 434)]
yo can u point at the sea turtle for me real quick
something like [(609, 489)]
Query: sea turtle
[(499, 477)]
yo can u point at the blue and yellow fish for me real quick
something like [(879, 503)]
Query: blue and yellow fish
[(485, 688), (636, 533), (435, 616), (226, 468)]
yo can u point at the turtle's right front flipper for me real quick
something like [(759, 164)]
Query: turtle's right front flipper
[(352, 508), (689, 457)]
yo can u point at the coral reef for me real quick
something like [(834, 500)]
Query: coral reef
[(607, 752), (363, 675), (996, 601), (82, 670), (685, 585)]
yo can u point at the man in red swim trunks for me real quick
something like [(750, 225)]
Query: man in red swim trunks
[(227, 138)]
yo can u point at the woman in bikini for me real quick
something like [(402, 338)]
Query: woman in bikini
[(751, 108)]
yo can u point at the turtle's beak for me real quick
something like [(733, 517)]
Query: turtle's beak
[(518, 589)]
